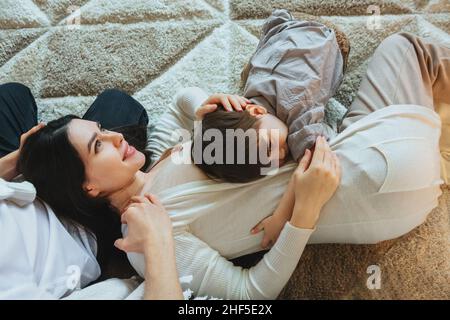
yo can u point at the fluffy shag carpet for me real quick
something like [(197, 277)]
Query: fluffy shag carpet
[(153, 48)]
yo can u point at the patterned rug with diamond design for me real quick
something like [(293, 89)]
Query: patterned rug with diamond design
[(68, 51)]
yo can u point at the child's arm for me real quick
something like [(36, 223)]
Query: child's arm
[(286, 205), (229, 101), (273, 224)]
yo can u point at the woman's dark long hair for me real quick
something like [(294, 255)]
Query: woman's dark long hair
[(51, 163)]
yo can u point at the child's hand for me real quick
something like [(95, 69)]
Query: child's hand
[(229, 101), (272, 227)]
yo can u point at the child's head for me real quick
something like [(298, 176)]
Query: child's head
[(258, 141)]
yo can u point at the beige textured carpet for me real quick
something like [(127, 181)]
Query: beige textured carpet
[(152, 48)]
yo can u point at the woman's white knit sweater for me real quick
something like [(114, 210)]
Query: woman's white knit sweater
[(382, 195)]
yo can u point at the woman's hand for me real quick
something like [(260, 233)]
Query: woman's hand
[(149, 226), (314, 185), (272, 226), (229, 101)]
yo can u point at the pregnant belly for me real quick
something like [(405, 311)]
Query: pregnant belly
[(386, 190)]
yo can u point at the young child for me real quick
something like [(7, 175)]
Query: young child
[(296, 69)]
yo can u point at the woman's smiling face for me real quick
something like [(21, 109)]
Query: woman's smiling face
[(110, 163)]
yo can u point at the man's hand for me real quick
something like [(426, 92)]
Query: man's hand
[(8, 164), (149, 226), (150, 233), (229, 101), (25, 136)]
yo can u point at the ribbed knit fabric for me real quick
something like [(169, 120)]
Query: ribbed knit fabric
[(213, 275), (381, 196)]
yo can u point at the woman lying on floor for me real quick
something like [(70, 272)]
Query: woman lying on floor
[(47, 257), (212, 220), (101, 175)]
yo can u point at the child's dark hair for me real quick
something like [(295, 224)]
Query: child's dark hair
[(236, 171)]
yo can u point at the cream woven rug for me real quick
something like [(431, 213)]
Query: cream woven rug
[(68, 51)]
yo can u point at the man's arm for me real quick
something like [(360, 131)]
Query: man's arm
[(161, 275), (273, 224), (8, 165)]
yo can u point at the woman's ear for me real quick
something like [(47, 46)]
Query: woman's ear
[(256, 110), (91, 190)]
